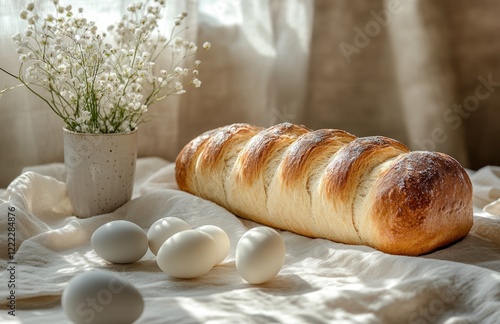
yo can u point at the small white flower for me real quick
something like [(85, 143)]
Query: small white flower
[(132, 8), (84, 117), (178, 42), (136, 87), (125, 126), (207, 45), (196, 83), (197, 63)]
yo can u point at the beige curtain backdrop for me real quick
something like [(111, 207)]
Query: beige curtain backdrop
[(423, 72)]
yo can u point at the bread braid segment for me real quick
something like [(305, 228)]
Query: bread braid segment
[(217, 159), (404, 222), (299, 173), (308, 150), (262, 148), (247, 183), (342, 177), (185, 162)]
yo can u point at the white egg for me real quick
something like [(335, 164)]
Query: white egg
[(221, 241), (100, 297), (120, 242), (163, 229), (187, 254), (260, 254)]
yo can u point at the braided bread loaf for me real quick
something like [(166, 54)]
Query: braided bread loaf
[(331, 184)]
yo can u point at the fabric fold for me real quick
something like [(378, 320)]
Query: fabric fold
[(487, 189)]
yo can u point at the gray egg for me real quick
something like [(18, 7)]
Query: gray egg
[(97, 297), (120, 241)]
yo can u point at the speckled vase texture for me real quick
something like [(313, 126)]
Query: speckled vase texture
[(100, 170)]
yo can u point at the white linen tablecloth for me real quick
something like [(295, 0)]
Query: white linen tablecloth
[(321, 281)]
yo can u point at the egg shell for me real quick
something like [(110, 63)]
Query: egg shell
[(100, 297), (120, 241), (221, 241), (260, 254), (163, 229), (187, 254)]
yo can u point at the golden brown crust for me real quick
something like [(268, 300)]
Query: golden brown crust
[(217, 160), (305, 151), (338, 187), (222, 139), (423, 201), (257, 153), (343, 174), (300, 168), (184, 162)]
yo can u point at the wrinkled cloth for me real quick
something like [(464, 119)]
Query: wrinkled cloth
[(321, 281), (487, 189)]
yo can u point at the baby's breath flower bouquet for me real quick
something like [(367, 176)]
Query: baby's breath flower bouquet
[(103, 82)]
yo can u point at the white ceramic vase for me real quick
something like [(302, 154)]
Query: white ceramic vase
[(100, 170)]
